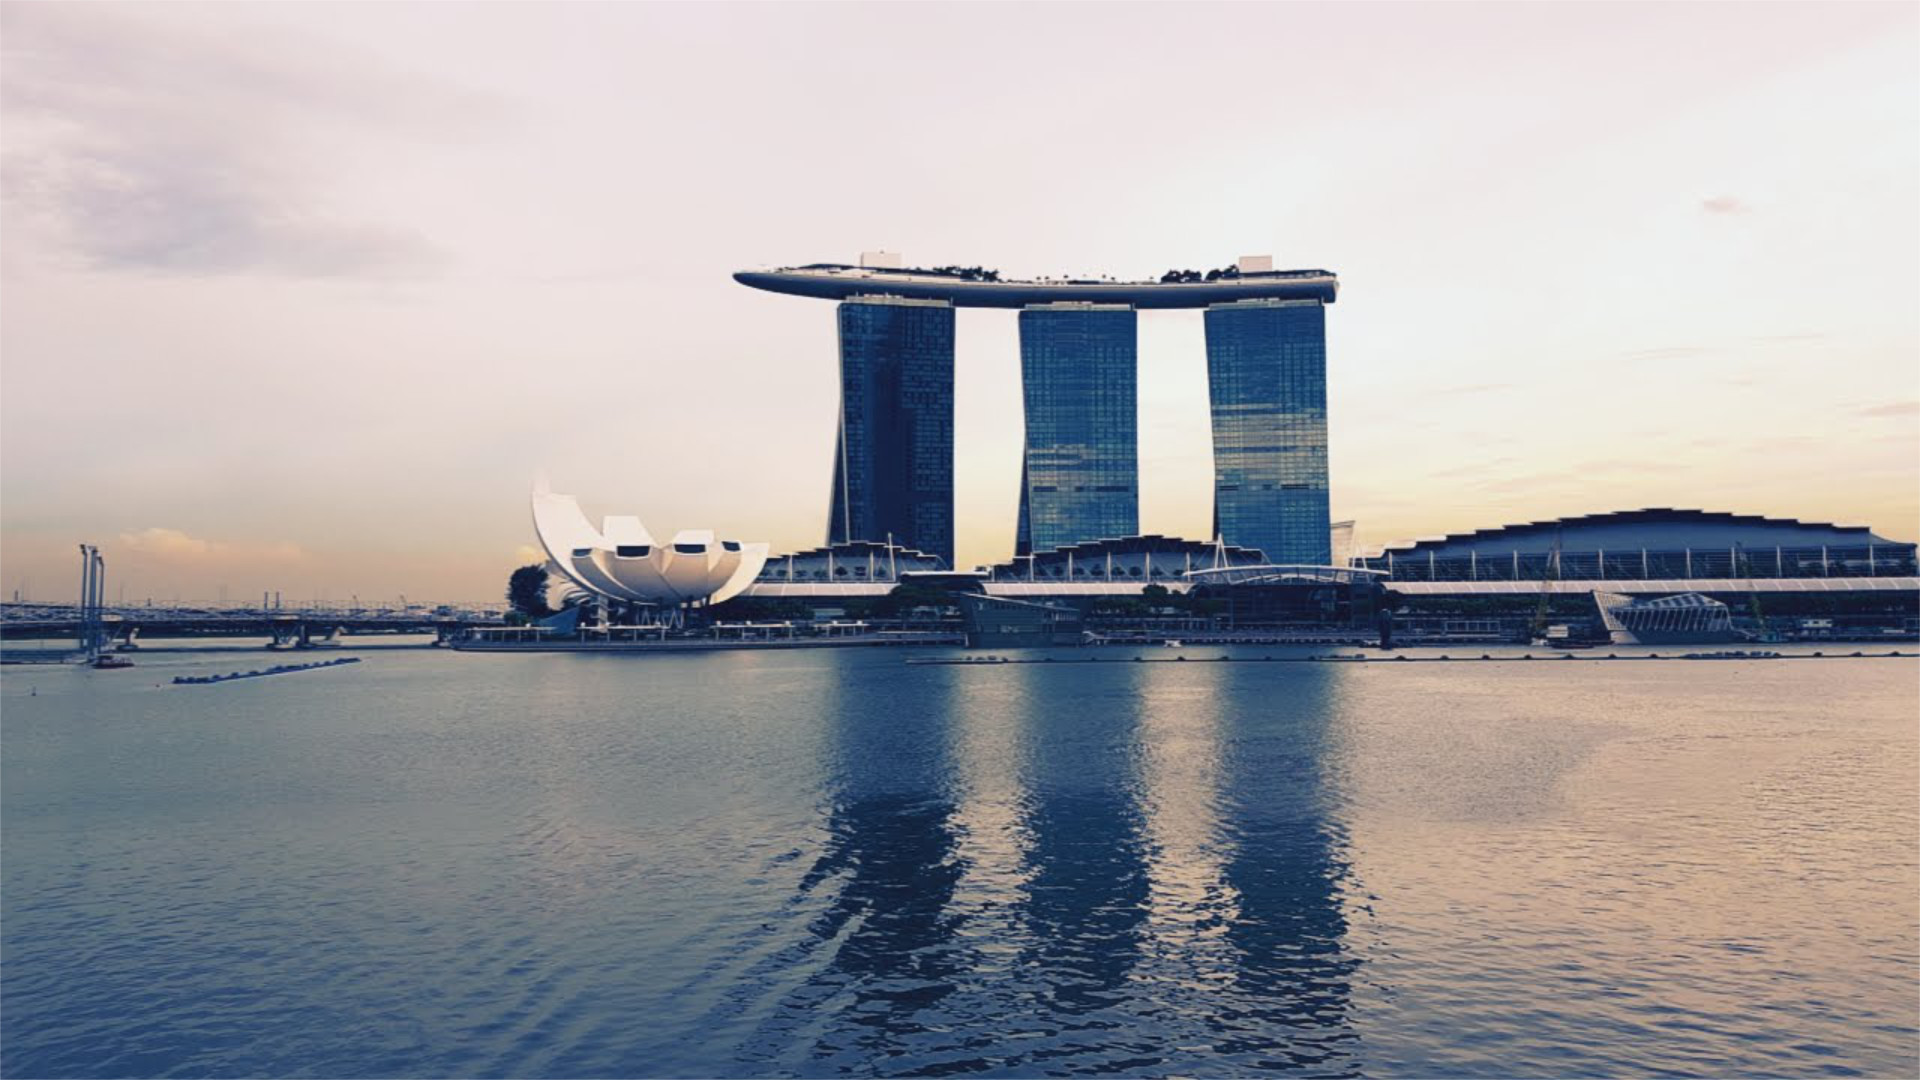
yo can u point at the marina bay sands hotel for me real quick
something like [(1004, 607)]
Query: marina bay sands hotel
[(1080, 477)]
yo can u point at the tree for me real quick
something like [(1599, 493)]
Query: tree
[(527, 591), (905, 598)]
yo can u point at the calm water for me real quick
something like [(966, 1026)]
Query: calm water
[(826, 863)]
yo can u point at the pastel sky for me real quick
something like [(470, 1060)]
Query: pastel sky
[(303, 296)]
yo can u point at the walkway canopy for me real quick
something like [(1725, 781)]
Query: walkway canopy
[(1284, 574)]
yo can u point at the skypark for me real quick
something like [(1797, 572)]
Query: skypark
[(973, 287)]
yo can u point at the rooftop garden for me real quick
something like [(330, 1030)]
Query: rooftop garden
[(964, 273), (981, 274)]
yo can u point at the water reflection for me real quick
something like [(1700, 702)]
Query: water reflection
[(1130, 870), (888, 870), (1180, 765), (1086, 890), (732, 864), (1286, 865)]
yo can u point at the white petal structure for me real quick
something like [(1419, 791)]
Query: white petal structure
[(753, 558), (621, 561)]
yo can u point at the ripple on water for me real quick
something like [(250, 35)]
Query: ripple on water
[(827, 863)]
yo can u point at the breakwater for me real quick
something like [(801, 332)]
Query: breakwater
[(277, 669)]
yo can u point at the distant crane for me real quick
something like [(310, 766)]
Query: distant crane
[(1547, 579)]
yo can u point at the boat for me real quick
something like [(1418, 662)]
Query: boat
[(1174, 643), (1568, 636), (109, 663)]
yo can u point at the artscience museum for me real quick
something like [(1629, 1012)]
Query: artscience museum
[(620, 561)]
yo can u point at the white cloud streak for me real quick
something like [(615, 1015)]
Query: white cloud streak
[(140, 145)]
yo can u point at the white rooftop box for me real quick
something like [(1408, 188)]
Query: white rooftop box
[(1256, 264), (880, 260)]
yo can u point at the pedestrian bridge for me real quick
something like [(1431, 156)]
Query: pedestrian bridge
[(281, 626)]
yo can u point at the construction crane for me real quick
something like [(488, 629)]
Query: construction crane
[(1547, 579), (1743, 567)]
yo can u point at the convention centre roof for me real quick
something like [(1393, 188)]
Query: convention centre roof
[(1653, 527)]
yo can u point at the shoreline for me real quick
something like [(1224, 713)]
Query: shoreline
[(703, 645), (1444, 658)]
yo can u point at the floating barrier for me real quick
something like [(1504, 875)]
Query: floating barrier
[(278, 669), (1738, 655)]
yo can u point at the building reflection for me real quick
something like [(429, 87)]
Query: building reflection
[(1180, 765), (1086, 888), (1286, 865), (1134, 867), (887, 874)]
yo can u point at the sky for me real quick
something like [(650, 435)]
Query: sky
[(304, 297)]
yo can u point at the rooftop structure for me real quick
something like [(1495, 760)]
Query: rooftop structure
[(1156, 559), (850, 561), (976, 287), (853, 568), (1701, 526), (1651, 544)]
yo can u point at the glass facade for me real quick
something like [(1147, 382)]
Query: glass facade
[(1080, 476), (893, 462), (1267, 380)]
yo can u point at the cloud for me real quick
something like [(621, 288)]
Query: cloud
[(1669, 352), (142, 146), (1892, 408), (1808, 444), (172, 545), (1474, 469), (169, 209), (1725, 204), (1469, 388), (1585, 475)]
